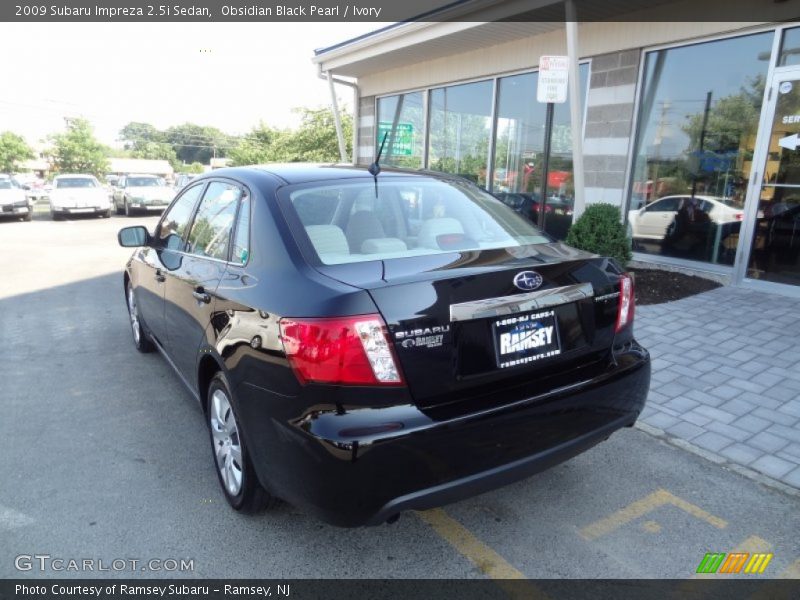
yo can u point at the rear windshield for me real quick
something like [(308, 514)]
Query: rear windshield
[(75, 182), (350, 222), (143, 182)]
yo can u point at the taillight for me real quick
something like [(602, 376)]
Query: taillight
[(739, 216), (626, 302), (342, 351)]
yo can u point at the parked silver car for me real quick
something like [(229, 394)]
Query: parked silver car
[(141, 193)]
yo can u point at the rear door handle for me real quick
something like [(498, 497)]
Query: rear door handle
[(160, 278), (201, 296)]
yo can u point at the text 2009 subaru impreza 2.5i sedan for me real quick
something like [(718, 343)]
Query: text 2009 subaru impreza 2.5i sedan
[(367, 345)]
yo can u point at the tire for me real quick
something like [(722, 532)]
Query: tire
[(117, 209), (55, 216), (235, 472), (29, 216), (140, 339)]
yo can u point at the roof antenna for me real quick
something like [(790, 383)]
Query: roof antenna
[(375, 167)]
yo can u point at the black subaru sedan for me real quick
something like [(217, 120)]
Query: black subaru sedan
[(363, 345)]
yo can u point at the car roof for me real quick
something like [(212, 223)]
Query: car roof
[(292, 173), (75, 176), (697, 196)]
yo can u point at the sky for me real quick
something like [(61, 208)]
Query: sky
[(227, 75)]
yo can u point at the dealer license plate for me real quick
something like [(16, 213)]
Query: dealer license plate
[(523, 339)]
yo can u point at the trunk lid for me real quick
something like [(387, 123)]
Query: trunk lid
[(461, 328)]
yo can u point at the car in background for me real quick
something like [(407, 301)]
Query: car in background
[(36, 188), (659, 220), (528, 204), (13, 202), (364, 345), (182, 180), (141, 193), (78, 195)]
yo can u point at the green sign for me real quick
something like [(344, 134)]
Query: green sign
[(403, 138)]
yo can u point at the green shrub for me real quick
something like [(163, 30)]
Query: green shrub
[(600, 231)]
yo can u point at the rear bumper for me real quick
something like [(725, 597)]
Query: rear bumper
[(362, 466)]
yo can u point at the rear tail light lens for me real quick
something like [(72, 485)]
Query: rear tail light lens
[(626, 302), (342, 351), (739, 216)]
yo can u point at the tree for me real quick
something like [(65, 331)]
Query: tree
[(13, 149), (136, 134), (256, 147), (156, 150), (198, 143), (315, 140), (77, 150), (195, 167)]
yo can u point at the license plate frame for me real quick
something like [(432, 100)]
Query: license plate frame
[(523, 339)]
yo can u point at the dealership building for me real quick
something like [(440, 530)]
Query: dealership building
[(691, 128)]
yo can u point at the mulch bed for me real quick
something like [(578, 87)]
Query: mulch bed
[(654, 286)]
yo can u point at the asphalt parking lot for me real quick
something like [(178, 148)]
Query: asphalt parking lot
[(105, 456)]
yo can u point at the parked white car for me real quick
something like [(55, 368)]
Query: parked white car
[(13, 202), (78, 194), (653, 222)]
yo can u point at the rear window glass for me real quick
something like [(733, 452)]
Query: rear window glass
[(76, 182), (348, 221), (143, 182)]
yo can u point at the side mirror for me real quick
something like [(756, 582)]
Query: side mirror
[(133, 237)]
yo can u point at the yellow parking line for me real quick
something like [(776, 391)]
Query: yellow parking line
[(487, 560), (641, 507)]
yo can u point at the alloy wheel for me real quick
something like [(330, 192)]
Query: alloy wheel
[(133, 312), (227, 445)]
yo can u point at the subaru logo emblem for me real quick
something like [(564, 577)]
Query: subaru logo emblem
[(528, 280)]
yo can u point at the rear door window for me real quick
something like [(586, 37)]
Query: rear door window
[(240, 252), (213, 223)]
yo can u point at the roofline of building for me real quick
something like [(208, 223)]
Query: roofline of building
[(450, 19), (377, 32)]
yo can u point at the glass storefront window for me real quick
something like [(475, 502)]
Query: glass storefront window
[(460, 128), (698, 120), (790, 48), (401, 118), (519, 152), (775, 251)]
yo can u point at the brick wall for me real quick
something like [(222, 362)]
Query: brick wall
[(609, 118), (366, 130)]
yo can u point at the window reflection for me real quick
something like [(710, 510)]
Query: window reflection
[(460, 126), (697, 130), (519, 153), (402, 118), (790, 48)]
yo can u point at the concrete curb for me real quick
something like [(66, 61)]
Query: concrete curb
[(751, 474)]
